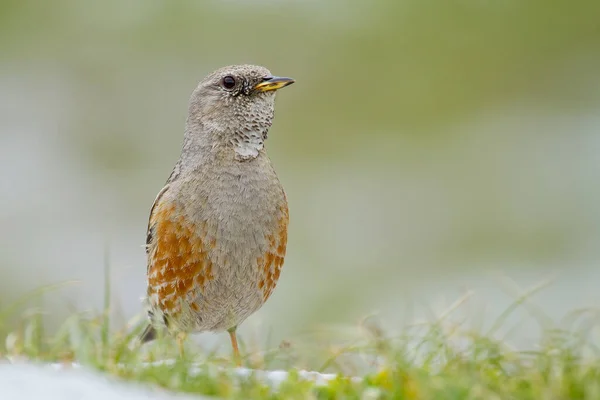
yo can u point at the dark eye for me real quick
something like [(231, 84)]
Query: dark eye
[(228, 82)]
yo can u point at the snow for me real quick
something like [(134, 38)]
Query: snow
[(25, 380)]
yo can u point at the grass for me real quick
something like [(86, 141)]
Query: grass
[(437, 360)]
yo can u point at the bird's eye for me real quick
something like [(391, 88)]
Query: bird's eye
[(228, 82)]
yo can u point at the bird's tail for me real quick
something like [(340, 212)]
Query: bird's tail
[(148, 335)]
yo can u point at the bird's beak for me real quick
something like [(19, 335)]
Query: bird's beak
[(273, 83)]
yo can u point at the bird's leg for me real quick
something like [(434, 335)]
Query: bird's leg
[(181, 336), (234, 344)]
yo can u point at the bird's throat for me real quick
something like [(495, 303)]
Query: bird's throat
[(248, 144)]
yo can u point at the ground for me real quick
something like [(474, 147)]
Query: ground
[(440, 360)]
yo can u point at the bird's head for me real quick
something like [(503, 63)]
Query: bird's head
[(236, 104)]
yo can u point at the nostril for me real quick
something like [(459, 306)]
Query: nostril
[(267, 78)]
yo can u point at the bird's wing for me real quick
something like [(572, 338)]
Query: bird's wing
[(177, 254), (151, 225)]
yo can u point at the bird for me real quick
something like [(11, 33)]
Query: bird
[(217, 232)]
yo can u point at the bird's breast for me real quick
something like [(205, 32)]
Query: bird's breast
[(242, 214)]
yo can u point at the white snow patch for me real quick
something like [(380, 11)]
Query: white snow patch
[(26, 380), (23, 381)]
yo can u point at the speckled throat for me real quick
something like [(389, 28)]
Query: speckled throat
[(247, 144)]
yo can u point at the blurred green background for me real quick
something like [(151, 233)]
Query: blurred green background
[(428, 147)]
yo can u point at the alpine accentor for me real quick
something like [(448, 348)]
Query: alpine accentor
[(217, 233)]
